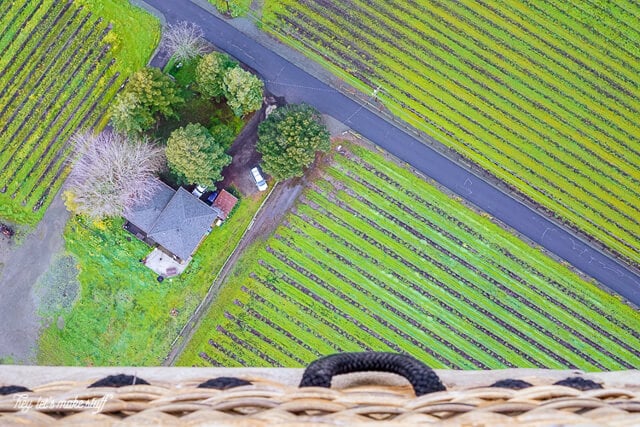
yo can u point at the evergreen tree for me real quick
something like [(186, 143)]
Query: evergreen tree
[(289, 138), (195, 156), (148, 93), (128, 116), (210, 73), (243, 91)]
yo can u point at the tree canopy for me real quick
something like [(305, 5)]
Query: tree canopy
[(289, 138), (111, 174), (128, 116), (149, 92), (243, 91), (183, 40), (217, 75), (195, 156), (223, 135), (210, 73)]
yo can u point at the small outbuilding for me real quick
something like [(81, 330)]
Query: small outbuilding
[(225, 202)]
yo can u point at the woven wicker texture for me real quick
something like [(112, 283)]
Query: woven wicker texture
[(267, 402)]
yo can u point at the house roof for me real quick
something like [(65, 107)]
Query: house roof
[(225, 202), (146, 214), (180, 225)]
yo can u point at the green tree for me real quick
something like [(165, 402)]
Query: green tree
[(128, 116), (195, 156), (223, 135), (289, 138), (148, 93), (156, 91), (243, 91), (210, 73)]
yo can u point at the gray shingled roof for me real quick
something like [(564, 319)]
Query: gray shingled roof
[(183, 223), (180, 224), (145, 215)]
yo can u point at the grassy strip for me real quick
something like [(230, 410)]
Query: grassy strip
[(233, 8), (131, 48), (224, 299)]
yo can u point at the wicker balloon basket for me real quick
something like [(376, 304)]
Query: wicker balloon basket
[(390, 390)]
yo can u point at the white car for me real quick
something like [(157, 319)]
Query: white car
[(199, 190), (257, 177)]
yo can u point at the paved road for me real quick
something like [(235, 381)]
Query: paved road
[(286, 79)]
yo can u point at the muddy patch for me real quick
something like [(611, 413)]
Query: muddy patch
[(57, 289)]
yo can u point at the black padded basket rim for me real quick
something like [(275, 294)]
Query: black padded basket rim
[(422, 378)]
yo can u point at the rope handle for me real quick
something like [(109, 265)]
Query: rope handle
[(423, 379)]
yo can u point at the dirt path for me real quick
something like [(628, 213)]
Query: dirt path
[(244, 154), (19, 321)]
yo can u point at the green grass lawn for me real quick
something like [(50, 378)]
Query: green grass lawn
[(374, 258), (544, 95), (235, 8), (122, 316), (133, 49), (61, 65)]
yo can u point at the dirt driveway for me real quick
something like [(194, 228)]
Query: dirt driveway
[(245, 156)]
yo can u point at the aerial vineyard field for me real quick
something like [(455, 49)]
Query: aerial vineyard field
[(545, 95), (374, 258), (60, 66)]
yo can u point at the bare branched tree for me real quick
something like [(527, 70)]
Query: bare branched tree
[(184, 40), (112, 173)]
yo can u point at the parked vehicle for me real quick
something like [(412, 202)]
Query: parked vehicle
[(6, 230), (199, 190), (212, 197), (257, 177)]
